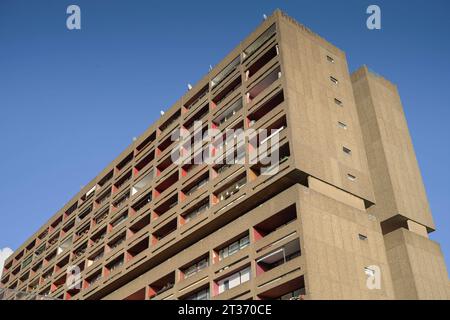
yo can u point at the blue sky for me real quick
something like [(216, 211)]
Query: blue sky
[(71, 101)]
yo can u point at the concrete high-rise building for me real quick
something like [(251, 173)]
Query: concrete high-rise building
[(345, 217)]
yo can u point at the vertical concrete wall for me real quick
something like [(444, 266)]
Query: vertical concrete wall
[(417, 266), (416, 263), (335, 255), (395, 174), (317, 140)]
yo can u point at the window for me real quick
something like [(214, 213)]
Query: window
[(234, 280), (198, 209), (330, 59), (342, 125), (142, 202), (263, 84), (141, 184), (258, 43), (146, 142), (229, 112), (199, 183), (234, 247), (199, 295), (232, 189), (294, 295), (351, 177), (278, 257), (338, 102), (334, 80), (124, 162), (195, 267), (347, 150), (362, 237), (105, 179), (101, 216), (40, 250), (117, 242), (122, 200), (225, 72), (120, 219)]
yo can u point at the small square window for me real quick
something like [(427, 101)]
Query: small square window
[(347, 150), (362, 237), (330, 59), (351, 177), (338, 102), (334, 80), (342, 125)]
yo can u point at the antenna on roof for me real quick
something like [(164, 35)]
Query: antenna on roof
[(189, 86), (264, 17), (162, 112)]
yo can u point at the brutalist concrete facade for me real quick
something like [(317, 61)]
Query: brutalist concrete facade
[(345, 217)]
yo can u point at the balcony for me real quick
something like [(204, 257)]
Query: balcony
[(101, 217), (195, 267), (263, 84), (114, 265), (136, 250), (228, 112), (98, 237), (232, 248), (146, 143), (122, 200), (275, 222), (82, 232), (84, 214), (261, 62), (227, 91), (222, 75), (195, 211), (232, 281), (97, 256), (162, 285), (278, 257), (119, 220), (142, 203), (93, 279), (195, 185), (124, 163), (138, 225), (198, 116), (265, 108), (202, 294), (107, 178), (165, 207), (143, 165), (122, 181), (80, 251), (116, 243), (230, 189), (164, 231), (172, 119), (290, 290), (142, 183), (192, 103), (259, 42), (164, 186)]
